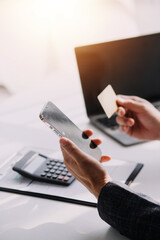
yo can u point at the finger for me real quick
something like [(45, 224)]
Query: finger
[(121, 111), (105, 159), (70, 163), (124, 121), (124, 129), (88, 132), (127, 97), (130, 104), (68, 160), (97, 141)]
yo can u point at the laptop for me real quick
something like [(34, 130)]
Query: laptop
[(131, 66)]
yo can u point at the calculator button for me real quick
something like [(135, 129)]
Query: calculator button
[(62, 165), (61, 168), (46, 170), (66, 178), (61, 161), (43, 174), (55, 167), (54, 176), (55, 160), (52, 163), (69, 174), (63, 173), (49, 166), (48, 175), (58, 164), (60, 177), (58, 172), (52, 170)]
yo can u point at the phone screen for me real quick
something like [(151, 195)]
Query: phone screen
[(64, 127)]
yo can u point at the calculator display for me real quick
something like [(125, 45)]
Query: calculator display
[(32, 166)]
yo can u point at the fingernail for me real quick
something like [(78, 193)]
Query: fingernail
[(63, 142), (119, 112), (105, 159)]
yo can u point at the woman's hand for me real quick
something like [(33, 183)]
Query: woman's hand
[(83, 167), (138, 118)]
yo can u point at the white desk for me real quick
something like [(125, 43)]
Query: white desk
[(24, 217)]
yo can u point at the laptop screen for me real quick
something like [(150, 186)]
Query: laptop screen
[(131, 66)]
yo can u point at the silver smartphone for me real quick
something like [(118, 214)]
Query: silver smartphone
[(64, 127)]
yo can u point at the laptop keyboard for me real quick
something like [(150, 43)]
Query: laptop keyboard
[(109, 122)]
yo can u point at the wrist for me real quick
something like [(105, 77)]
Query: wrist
[(99, 186)]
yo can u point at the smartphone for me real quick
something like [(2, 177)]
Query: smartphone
[(64, 127)]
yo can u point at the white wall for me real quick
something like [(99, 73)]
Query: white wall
[(37, 37)]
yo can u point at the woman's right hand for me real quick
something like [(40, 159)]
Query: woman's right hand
[(138, 118)]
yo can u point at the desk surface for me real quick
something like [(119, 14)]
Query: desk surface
[(24, 217)]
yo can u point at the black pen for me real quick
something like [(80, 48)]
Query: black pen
[(134, 173)]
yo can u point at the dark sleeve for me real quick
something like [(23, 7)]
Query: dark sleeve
[(134, 215)]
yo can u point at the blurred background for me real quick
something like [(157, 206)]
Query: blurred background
[(37, 37)]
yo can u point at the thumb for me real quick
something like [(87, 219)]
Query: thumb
[(69, 147)]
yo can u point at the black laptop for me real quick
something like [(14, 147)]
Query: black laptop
[(131, 66)]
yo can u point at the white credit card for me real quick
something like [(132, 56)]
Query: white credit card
[(107, 99)]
